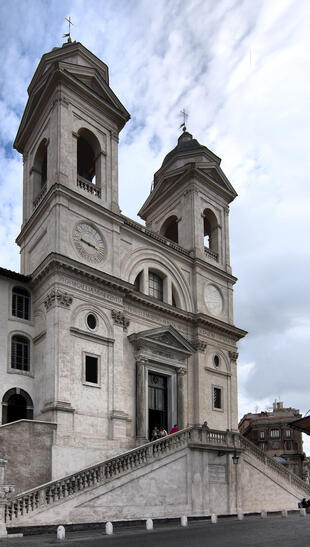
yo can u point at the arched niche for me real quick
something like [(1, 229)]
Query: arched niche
[(169, 228), (210, 231), (88, 157), (16, 405)]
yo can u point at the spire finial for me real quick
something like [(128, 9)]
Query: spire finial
[(68, 34), (185, 116)]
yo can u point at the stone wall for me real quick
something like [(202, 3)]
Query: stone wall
[(27, 446)]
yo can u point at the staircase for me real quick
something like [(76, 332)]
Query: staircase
[(25, 506)]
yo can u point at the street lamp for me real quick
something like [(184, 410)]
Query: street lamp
[(235, 458)]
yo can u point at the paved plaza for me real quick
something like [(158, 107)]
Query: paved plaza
[(273, 531)]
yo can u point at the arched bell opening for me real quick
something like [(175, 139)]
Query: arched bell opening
[(16, 405), (210, 231), (169, 229), (88, 157)]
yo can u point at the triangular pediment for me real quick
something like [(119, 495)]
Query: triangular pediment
[(206, 173), (78, 68), (164, 338)]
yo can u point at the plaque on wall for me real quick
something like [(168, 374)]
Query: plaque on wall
[(217, 473)]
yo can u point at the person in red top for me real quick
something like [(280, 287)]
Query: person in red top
[(174, 429)]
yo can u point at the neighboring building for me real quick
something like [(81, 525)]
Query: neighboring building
[(272, 433)]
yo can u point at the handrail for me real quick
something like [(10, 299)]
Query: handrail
[(270, 462)]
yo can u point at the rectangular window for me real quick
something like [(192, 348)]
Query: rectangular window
[(217, 397), (155, 286), (262, 446), (288, 433), (20, 353), (91, 369), (275, 433), (288, 445), (262, 434)]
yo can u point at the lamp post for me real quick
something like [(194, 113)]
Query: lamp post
[(235, 460)]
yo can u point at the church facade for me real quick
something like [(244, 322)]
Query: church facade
[(113, 327)]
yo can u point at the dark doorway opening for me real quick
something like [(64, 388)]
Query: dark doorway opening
[(158, 415), (17, 408)]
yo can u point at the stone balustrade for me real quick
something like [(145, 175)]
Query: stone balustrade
[(53, 492), (211, 254), (270, 462), (57, 491), (88, 186)]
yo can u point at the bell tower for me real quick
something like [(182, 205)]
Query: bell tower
[(189, 201), (189, 205), (69, 140)]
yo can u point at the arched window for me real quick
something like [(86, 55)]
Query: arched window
[(170, 229), (175, 300), (88, 160), (137, 282), (155, 285), (210, 231), (21, 303), (16, 405), (40, 169), (20, 353)]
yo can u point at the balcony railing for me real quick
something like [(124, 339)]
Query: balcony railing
[(88, 187), (211, 254)]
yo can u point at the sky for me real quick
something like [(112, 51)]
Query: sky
[(241, 70)]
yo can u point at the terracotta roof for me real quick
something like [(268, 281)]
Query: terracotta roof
[(14, 275)]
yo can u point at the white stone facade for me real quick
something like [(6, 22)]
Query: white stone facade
[(81, 257)]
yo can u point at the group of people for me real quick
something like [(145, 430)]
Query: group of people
[(304, 504), (159, 432)]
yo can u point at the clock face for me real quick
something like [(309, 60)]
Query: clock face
[(213, 300), (88, 242)]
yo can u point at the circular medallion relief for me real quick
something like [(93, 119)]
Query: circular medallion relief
[(213, 300), (88, 242)]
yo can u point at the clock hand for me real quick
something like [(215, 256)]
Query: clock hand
[(89, 244)]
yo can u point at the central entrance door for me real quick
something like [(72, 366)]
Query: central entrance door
[(157, 401)]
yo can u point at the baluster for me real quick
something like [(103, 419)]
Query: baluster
[(30, 502), (21, 506), (9, 511), (16, 509)]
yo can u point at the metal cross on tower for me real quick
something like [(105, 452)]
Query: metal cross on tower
[(185, 116), (68, 34)]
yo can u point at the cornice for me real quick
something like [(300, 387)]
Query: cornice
[(122, 220), (91, 336), (56, 263)]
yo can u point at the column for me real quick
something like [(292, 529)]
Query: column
[(141, 422), (180, 396)]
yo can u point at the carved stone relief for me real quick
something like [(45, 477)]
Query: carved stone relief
[(120, 319), (57, 298)]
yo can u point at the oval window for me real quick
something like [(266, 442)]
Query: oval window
[(91, 321)]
